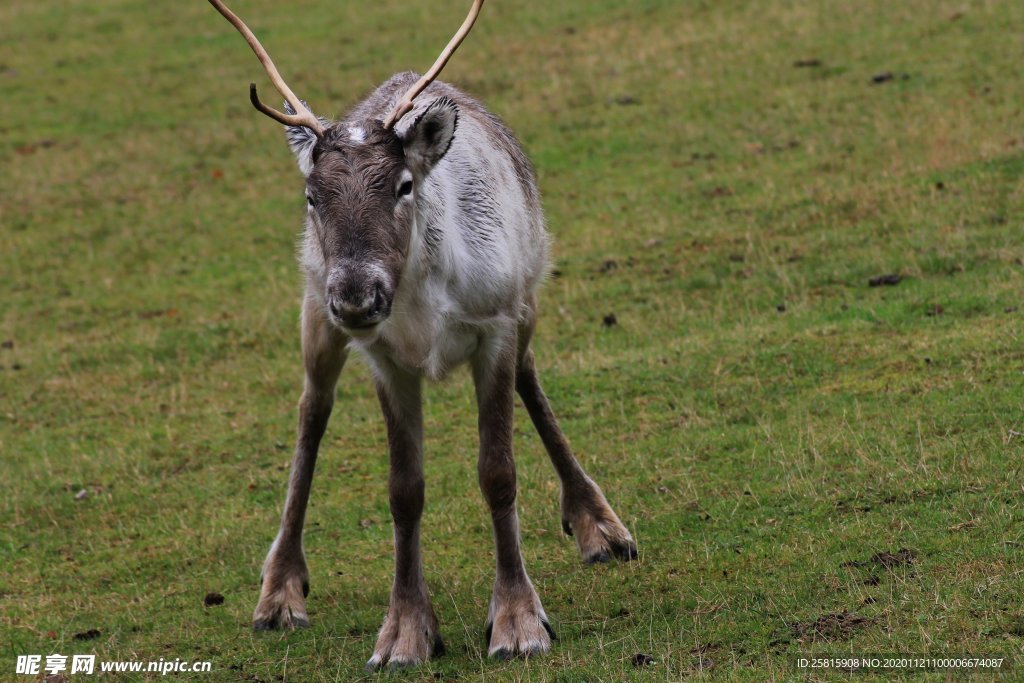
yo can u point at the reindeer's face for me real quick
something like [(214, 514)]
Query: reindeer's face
[(361, 185)]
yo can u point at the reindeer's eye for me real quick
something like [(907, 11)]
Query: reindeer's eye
[(405, 188), (310, 202)]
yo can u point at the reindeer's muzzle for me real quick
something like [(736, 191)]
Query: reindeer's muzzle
[(358, 298)]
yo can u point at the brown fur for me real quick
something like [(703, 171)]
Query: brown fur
[(517, 624), (585, 513), (285, 578), (410, 632)]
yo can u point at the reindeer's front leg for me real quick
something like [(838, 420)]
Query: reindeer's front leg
[(516, 623), (409, 634), (285, 579)]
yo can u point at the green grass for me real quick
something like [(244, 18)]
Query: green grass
[(763, 420)]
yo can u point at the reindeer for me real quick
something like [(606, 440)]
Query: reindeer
[(425, 246)]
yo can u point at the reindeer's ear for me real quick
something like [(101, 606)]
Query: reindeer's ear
[(302, 141), (429, 135)]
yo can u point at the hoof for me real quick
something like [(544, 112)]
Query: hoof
[(408, 637), (438, 649), (625, 551), (504, 654), (393, 665), (490, 630), (284, 585), (599, 533), (517, 625), (275, 623), (547, 627), (282, 606)]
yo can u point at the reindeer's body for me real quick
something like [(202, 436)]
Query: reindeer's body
[(425, 245)]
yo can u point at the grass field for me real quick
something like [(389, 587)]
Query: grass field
[(809, 464)]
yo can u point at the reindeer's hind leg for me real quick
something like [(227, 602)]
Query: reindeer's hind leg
[(285, 579), (585, 511)]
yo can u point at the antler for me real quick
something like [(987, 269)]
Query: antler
[(405, 104), (303, 116)]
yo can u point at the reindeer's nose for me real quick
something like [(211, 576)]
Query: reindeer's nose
[(366, 309)]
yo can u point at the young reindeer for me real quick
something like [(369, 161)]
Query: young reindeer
[(424, 248)]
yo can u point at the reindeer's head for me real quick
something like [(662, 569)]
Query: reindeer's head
[(361, 182)]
